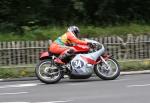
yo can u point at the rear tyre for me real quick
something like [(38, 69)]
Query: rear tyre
[(110, 72), (47, 72)]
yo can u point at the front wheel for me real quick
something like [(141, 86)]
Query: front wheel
[(109, 70), (47, 72)]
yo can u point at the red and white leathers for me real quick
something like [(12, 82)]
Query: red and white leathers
[(62, 45)]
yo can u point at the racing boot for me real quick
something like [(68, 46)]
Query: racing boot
[(64, 56), (59, 59)]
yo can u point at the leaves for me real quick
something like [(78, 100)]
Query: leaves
[(65, 12)]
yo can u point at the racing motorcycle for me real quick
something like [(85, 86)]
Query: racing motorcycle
[(86, 61)]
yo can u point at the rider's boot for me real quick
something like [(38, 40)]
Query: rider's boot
[(63, 56), (59, 59)]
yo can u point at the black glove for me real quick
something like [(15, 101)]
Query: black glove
[(90, 44)]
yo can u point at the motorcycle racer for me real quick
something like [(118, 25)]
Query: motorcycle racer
[(62, 45)]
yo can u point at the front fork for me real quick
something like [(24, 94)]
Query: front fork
[(104, 61)]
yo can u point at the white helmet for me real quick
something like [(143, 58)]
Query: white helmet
[(74, 29)]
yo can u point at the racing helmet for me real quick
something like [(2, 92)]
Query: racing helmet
[(74, 29)]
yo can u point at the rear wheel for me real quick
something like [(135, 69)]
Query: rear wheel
[(108, 71), (47, 72)]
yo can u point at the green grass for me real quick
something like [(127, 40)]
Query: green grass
[(135, 65), (51, 32), (16, 73)]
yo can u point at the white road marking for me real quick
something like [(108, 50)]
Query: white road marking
[(41, 102), (14, 102), (13, 93), (1, 79), (142, 85), (57, 101), (20, 85), (75, 84)]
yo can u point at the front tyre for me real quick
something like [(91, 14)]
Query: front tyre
[(47, 72), (109, 71)]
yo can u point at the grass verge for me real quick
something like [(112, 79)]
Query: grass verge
[(16, 73), (133, 65)]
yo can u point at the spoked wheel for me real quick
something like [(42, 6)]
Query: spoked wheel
[(47, 72), (109, 70)]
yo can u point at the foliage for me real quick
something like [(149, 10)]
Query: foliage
[(15, 14)]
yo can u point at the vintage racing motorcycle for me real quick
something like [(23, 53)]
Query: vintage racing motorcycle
[(86, 61)]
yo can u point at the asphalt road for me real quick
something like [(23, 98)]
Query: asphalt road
[(125, 89)]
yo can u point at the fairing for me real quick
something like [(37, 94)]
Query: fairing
[(83, 64)]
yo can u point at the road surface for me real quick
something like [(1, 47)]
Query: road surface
[(125, 89)]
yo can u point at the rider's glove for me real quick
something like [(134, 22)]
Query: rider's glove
[(90, 44)]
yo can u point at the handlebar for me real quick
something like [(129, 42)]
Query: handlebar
[(95, 44)]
